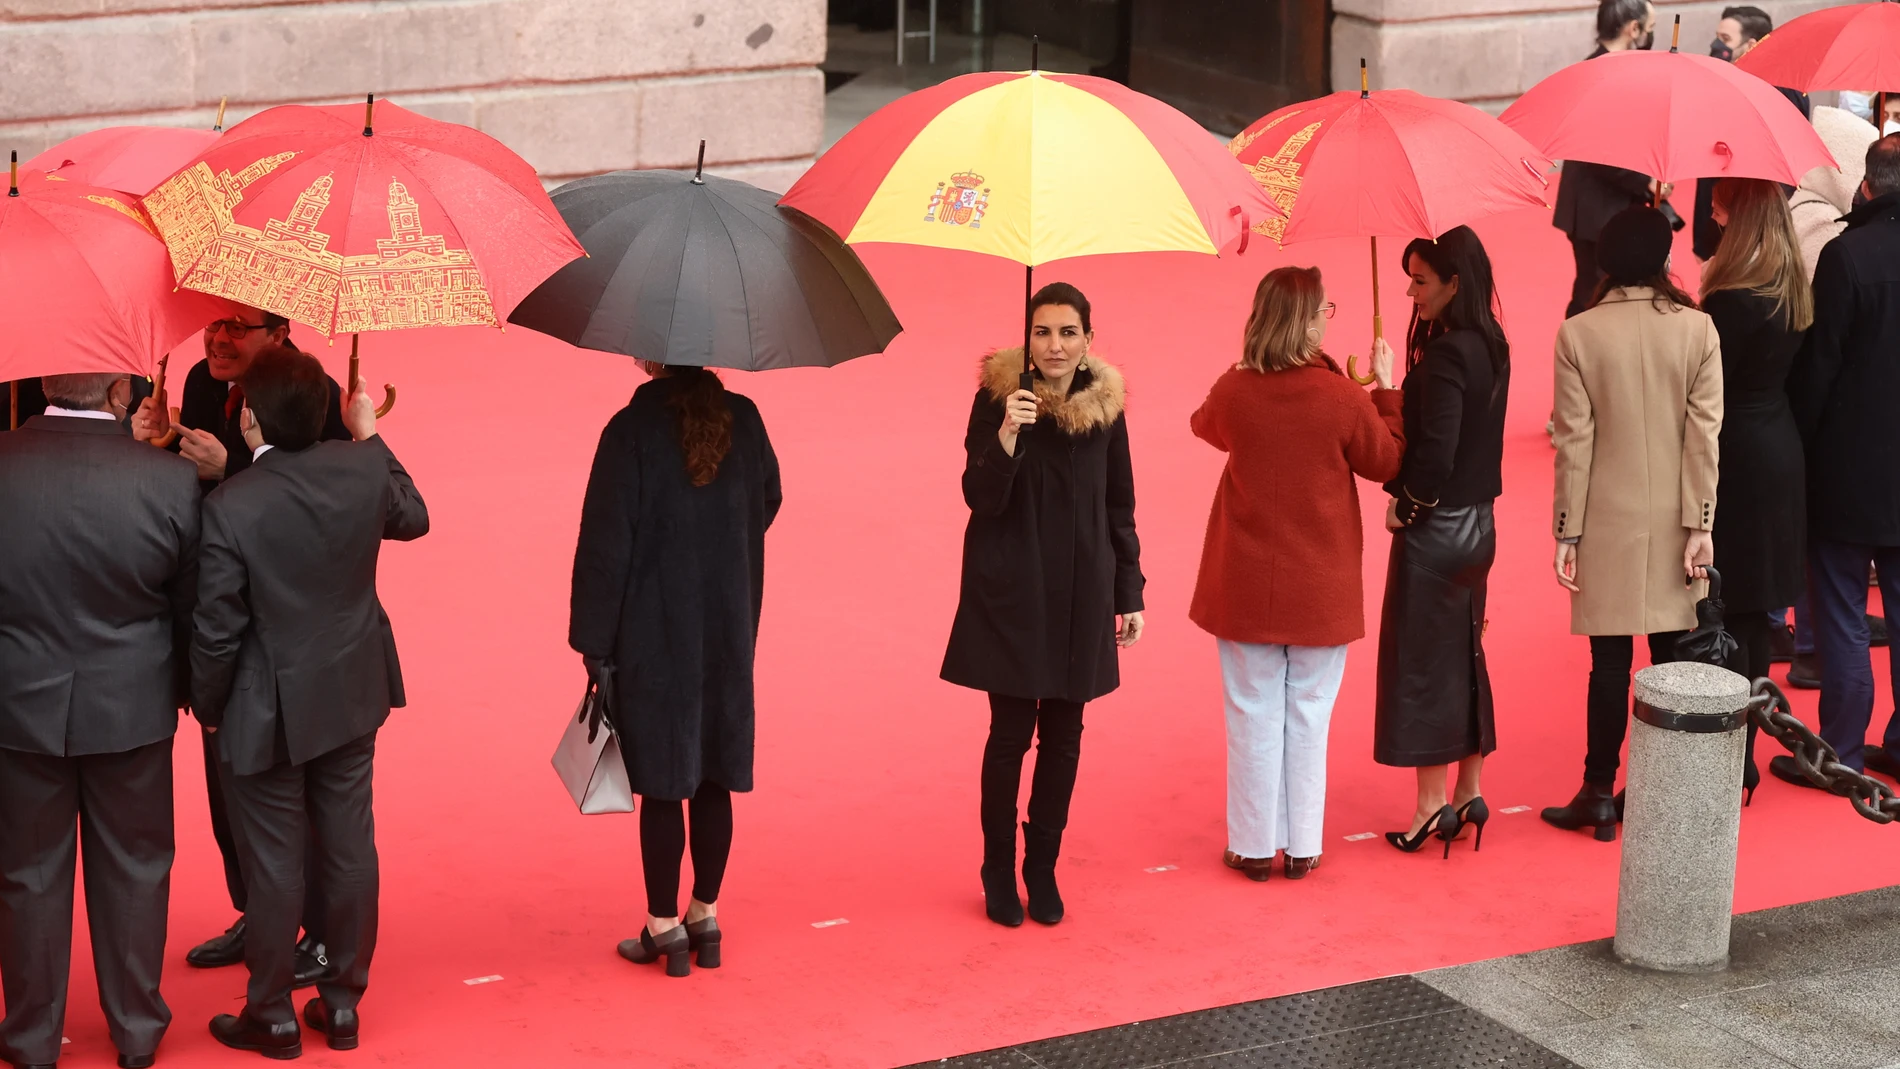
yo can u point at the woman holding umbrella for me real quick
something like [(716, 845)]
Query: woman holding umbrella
[(1051, 582), (1434, 692), (668, 583)]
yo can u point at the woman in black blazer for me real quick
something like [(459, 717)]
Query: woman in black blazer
[(1051, 582), (1433, 705)]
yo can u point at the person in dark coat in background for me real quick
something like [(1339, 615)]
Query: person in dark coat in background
[(100, 543), (294, 670), (1756, 291), (1588, 194), (1433, 706), (1845, 391), (1051, 582), (1741, 29), (669, 584)]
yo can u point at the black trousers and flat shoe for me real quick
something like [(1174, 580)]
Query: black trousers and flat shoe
[(1056, 728)]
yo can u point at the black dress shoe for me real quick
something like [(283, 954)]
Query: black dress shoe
[(137, 1061), (1880, 759), (1783, 768), (219, 951), (1780, 643), (313, 963), (340, 1027), (280, 1041), (1805, 672)]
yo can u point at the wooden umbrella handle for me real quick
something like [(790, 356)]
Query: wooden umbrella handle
[(356, 377), (1378, 323)]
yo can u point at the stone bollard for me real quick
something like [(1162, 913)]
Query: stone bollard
[(1682, 816)]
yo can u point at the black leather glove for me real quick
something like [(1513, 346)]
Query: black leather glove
[(600, 690)]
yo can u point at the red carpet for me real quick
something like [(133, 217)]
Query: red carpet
[(865, 815)]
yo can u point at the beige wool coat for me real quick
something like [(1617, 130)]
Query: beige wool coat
[(1826, 194), (1639, 408)]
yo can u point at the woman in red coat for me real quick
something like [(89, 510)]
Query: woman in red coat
[(1279, 584)]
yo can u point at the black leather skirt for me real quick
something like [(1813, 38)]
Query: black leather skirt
[(1434, 693)]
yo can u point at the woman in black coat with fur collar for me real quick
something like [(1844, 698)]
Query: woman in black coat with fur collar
[(669, 578), (1051, 582)]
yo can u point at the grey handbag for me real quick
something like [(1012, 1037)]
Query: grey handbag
[(588, 759)]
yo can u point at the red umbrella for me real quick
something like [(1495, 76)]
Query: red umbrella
[(1669, 115), (354, 219), (1386, 164), (88, 285), (1856, 46), (131, 159)]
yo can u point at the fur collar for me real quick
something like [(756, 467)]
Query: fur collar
[(1095, 404)]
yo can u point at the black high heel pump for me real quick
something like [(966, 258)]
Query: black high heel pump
[(1444, 824), (673, 945), (1475, 813)]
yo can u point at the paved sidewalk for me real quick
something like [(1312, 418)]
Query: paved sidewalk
[(1810, 986)]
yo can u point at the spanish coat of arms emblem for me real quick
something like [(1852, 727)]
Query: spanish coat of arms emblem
[(959, 202)]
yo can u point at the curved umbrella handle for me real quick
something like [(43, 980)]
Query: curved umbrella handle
[(389, 401), (1352, 372), (171, 435)]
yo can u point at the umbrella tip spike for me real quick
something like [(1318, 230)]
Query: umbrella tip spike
[(369, 116), (1675, 35), (699, 169), (1035, 48), (13, 173), (1365, 85)]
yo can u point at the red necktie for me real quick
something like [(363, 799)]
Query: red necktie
[(234, 402)]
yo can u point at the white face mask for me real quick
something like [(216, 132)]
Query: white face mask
[(1861, 104)]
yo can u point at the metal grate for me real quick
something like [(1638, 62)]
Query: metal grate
[(1398, 1023)]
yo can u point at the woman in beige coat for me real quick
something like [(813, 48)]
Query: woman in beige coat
[(1639, 408)]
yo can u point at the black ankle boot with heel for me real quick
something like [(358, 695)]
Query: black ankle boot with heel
[(1000, 901), (1040, 850), (1594, 807)]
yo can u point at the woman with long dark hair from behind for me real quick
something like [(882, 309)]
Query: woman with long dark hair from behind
[(669, 579), (1756, 290), (1051, 585), (1638, 395), (1434, 704)]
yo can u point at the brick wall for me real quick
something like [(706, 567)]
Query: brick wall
[(1487, 52), (575, 86)]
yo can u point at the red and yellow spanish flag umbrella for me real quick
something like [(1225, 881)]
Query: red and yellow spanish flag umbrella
[(1033, 167)]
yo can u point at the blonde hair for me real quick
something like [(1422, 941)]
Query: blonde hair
[(1284, 305), (1759, 252)]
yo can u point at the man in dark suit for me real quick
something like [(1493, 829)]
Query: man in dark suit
[(101, 547), (294, 669), (1589, 194), (1844, 388), (209, 436)]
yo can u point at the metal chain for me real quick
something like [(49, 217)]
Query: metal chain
[(1768, 707)]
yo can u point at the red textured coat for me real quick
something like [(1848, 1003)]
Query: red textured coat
[(1281, 562)]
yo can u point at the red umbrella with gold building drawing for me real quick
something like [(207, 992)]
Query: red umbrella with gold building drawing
[(357, 219)]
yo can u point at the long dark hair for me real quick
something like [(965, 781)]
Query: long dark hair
[(1459, 254), (703, 419)]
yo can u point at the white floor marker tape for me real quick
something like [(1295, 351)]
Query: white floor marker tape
[(481, 980), (832, 923), (1516, 809), (1162, 868), (1362, 836)]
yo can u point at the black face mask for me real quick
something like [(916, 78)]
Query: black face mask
[(1721, 51), (1648, 42)]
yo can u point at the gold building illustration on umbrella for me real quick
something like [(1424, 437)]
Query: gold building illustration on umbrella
[(412, 279)]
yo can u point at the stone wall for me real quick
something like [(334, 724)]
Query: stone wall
[(1487, 52), (575, 86)]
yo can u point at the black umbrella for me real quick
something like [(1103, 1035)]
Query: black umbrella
[(707, 272)]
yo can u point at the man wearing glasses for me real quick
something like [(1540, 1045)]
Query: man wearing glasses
[(209, 436)]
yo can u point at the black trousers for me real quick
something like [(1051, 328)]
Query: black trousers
[(1609, 700), (274, 815), (1584, 287), (663, 843), (119, 806), (228, 850), (1056, 726)]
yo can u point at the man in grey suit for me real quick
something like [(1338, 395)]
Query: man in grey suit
[(99, 534), (294, 668)]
